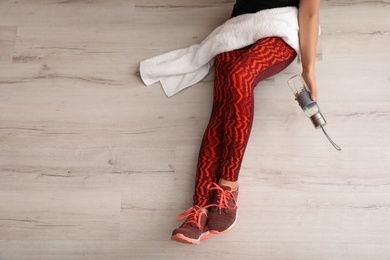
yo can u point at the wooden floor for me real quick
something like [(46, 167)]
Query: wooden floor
[(94, 165)]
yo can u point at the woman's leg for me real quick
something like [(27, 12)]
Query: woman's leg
[(210, 155), (265, 58), (194, 229)]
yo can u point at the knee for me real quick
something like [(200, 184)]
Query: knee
[(240, 84)]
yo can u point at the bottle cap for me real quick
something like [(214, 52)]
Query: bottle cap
[(318, 120)]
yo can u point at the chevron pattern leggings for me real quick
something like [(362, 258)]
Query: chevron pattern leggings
[(226, 136)]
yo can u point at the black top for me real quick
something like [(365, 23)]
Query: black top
[(253, 6)]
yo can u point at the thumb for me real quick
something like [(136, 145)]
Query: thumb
[(314, 95), (311, 83)]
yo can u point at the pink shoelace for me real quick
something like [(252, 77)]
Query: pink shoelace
[(193, 216), (223, 197)]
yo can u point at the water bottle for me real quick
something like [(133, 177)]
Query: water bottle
[(310, 107)]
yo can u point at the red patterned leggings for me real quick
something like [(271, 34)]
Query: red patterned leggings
[(226, 136)]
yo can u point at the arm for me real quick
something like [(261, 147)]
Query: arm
[(308, 19)]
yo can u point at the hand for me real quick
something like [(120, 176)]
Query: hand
[(310, 80)]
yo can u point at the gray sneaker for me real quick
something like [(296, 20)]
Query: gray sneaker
[(223, 214), (194, 229)]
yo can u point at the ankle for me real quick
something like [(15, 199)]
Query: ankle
[(231, 184), (204, 210)]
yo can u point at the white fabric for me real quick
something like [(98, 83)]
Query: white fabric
[(179, 69)]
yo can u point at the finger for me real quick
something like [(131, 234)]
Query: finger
[(314, 94)]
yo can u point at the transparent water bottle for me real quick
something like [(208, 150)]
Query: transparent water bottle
[(310, 107)]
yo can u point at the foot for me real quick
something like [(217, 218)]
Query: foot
[(223, 214), (194, 229)]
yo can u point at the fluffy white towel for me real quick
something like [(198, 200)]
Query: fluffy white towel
[(179, 69)]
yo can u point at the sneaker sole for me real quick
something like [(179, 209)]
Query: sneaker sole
[(186, 240), (216, 232)]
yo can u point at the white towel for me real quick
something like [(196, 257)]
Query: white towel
[(179, 69)]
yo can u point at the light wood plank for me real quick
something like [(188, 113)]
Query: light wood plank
[(30, 215), (7, 43)]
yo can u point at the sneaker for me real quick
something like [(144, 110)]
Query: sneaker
[(194, 229), (223, 213)]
